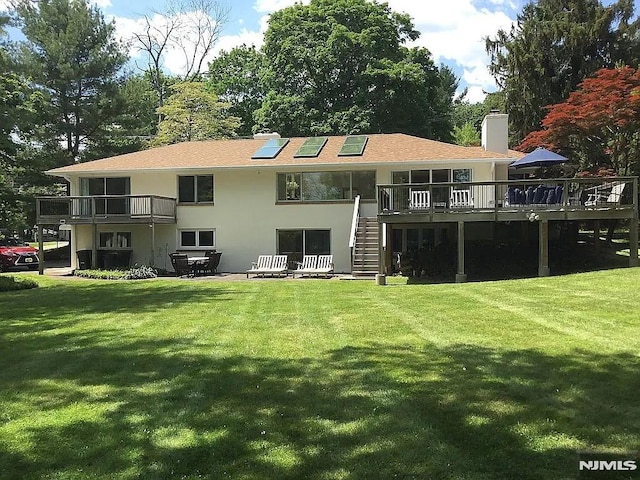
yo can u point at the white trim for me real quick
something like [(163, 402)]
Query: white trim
[(197, 246), (286, 166)]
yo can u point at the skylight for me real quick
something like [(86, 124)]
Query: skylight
[(271, 148), (353, 145), (311, 147)]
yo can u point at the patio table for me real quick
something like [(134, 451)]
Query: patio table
[(194, 262)]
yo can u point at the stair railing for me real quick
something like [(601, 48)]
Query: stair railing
[(354, 227)]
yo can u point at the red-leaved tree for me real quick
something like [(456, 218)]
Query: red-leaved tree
[(598, 125)]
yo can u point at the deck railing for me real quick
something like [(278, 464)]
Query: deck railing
[(106, 208), (497, 196)]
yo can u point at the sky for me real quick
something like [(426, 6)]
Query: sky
[(452, 30)]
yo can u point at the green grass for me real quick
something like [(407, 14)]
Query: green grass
[(317, 379)]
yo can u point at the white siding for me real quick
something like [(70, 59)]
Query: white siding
[(245, 215)]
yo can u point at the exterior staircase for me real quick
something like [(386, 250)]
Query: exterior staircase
[(365, 252)]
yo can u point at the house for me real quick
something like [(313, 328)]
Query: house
[(245, 197)]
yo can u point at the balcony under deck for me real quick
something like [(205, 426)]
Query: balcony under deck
[(107, 209)]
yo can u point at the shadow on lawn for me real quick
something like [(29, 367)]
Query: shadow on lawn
[(107, 296), (461, 412)]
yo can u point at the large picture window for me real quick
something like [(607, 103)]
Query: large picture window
[(298, 242), (197, 239), (195, 189), (326, 186)]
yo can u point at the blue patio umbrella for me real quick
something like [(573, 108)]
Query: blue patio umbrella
[(540, 157)]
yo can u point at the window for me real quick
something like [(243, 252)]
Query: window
[(296, 243), (353, 145), (289, 186), (115, 240), (363, 183), (462, 175), (271, 148), (92, 186), (322, 186), (195, 189), (326, 186), (197, 239), (311, 147), (99, 186), (432, 176)]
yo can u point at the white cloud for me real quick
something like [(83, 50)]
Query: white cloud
[(246, 37), (174, 59), (454, 33)]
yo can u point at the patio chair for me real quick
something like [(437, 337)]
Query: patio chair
[(180, 264), (211, 265), (419, 200), (461, 198), (613, 196), (324, 265), (308, 265), (279, 265), (261, 266)]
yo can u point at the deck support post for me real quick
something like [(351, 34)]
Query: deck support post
[(461, 277), (388, 252), (94, 246), (543, 249), (40, 250), (153, 243), (633, 243), (381, 278)]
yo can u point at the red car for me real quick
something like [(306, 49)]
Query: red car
[(17, 254)]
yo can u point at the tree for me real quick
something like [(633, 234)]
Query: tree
[(554, 45), (598, 124), (466, 135), (73, 57), (189, 26), (19, 103), (135, 124), (236, 77), (339, 67), (193, 112)]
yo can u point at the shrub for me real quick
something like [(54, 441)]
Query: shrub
[(140, 273), (100, 274), (135, 273), (11, 283)]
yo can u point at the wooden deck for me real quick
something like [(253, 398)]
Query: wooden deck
[(109, 209), (537, 201)]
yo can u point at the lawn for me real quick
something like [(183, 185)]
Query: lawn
[(318, 379)]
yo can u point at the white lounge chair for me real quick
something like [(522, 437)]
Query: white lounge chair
[(262, 266), (461, 198), (307, 266), (279, 265), (612, 196), (324, 265), (419, 200)]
